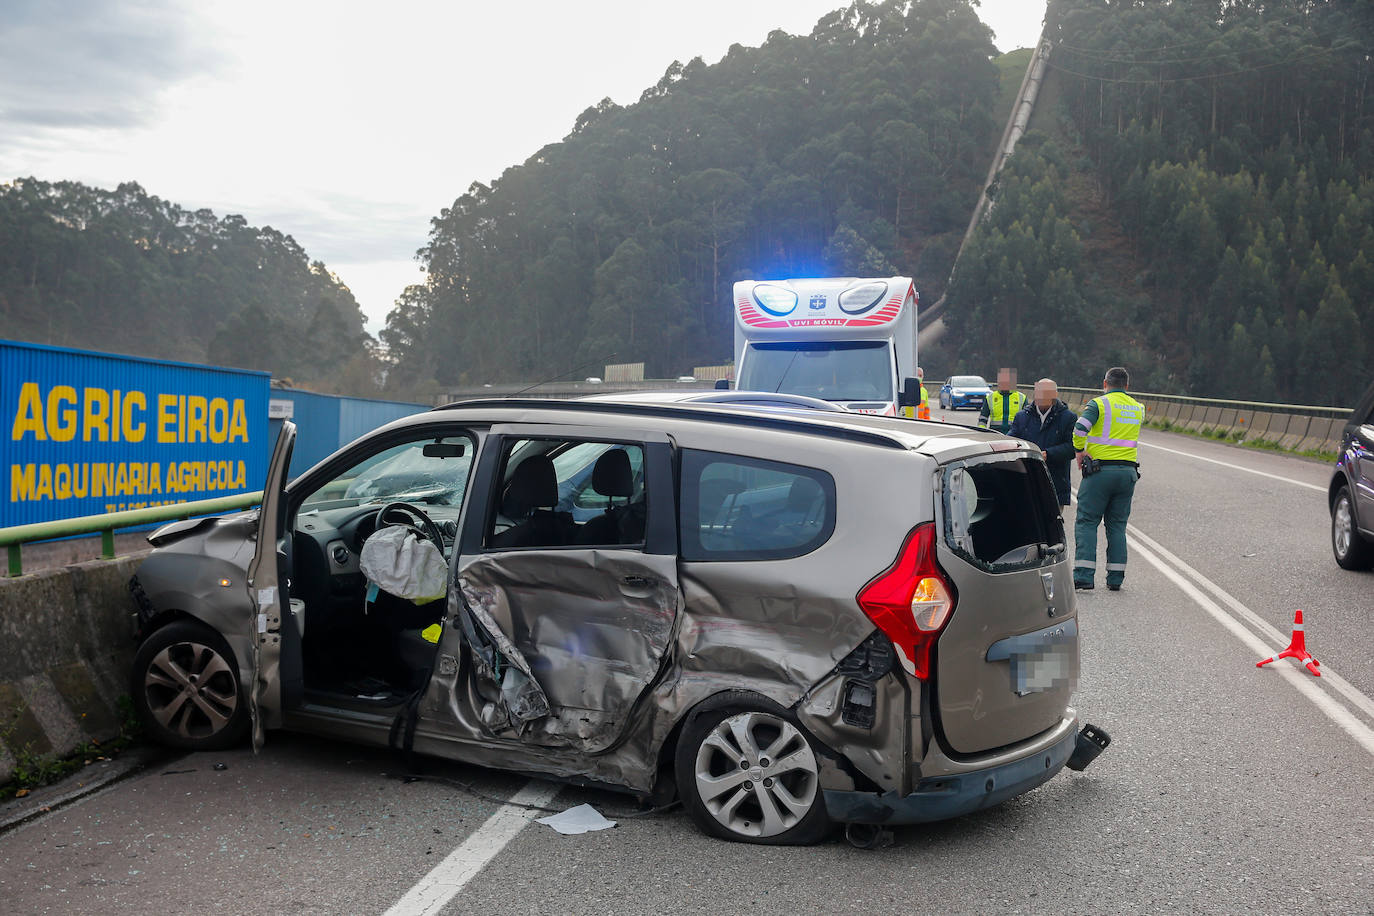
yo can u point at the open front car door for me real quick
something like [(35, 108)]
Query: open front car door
[(267, 597)]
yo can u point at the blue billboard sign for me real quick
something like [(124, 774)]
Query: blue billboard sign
[(85, 433)]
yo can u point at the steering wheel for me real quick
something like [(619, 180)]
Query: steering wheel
[(407, 516)]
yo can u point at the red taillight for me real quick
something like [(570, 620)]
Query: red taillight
[(911, 601)]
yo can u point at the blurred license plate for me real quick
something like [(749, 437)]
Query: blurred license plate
[(1039, 671), (1040, 661)]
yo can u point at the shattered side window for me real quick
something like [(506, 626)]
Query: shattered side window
[(1001, 514), (739, 508)]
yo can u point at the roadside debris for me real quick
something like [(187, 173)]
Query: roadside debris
[(581, 819)]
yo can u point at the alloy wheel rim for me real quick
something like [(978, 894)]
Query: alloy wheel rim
[(756, 774), (191, 690), (1341, 529)]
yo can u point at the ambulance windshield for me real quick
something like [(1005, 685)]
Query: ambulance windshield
[(856, 370)]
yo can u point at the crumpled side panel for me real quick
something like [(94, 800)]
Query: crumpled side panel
[(779, 639), (497, 662), (592, 627)]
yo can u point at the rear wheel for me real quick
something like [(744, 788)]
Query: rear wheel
[(1351, 549), (185, 688), (746, 772)]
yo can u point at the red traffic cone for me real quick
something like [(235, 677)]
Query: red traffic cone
[(1297, 648)]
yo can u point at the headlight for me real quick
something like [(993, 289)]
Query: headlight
[(859, 299), (960, 392), (774, 299)]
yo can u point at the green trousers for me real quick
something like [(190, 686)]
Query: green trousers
[(1103, 497)]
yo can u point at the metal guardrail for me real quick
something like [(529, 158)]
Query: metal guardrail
[(1308, 409), (105, 525)]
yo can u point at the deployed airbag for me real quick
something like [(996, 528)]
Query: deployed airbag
[(401, 563)]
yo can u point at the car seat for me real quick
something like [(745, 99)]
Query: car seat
[(530, 499), (613, 478)]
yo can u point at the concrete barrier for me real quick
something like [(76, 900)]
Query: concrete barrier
[(1228, 420), (65, 651), (1337, 439), (1211, 419), (1259, 425), (1319, 432), (1192, 420), (1296, 432), (1278, 427), (1171, 411)]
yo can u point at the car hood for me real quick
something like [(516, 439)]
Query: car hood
[(239, 526)]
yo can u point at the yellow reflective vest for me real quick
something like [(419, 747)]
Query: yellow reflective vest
[(1109, 427), (1011, 405)]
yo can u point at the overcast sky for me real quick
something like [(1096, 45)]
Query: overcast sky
[(346, 125)]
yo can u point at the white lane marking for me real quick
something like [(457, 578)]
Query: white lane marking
[(1303, 683), (449, 877), (1237, 467), (1262, 626)]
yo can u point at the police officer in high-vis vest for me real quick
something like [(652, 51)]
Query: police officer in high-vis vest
[(1106, 438), (1001, 406)]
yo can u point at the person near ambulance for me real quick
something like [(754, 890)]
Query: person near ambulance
[(1106, 439), (1002, 405), (1048, 424)]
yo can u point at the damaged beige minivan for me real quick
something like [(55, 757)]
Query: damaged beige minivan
[(786, 619)]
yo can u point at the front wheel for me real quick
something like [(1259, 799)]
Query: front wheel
[(185, 688), (1351, 549), (746, 772)]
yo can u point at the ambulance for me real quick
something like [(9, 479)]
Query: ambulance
[(842, 339)]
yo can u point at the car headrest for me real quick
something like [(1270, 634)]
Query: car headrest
[(803, 493), (534, 485), (611, 476)]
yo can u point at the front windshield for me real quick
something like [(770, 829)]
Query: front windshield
[(403, 473), (858, 370), (968, 381)]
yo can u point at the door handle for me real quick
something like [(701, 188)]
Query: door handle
[(637, 581)]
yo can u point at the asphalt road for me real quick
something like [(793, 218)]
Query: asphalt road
[(1227, 788)]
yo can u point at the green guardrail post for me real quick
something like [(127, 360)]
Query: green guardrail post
[(16, 563), (107, 544)]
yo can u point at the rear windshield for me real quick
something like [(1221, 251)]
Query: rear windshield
[(1001, 513), (855, 370), (968, 381)]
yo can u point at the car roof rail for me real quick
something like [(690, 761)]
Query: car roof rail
[(722, 413)]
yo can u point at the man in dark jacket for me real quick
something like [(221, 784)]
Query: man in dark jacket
[(1048, 423)]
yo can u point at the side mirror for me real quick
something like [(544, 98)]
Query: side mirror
[(722, 384), (911, 393)]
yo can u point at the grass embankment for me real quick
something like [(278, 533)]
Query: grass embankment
[(34, 770)]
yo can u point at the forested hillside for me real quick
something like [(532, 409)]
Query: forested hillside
[(858, 149), (126, 272), (1231, 142)]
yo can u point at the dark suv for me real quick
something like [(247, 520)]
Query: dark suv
[(1351, 494)]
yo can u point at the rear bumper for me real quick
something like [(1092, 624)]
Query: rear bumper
[(942, 797)]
